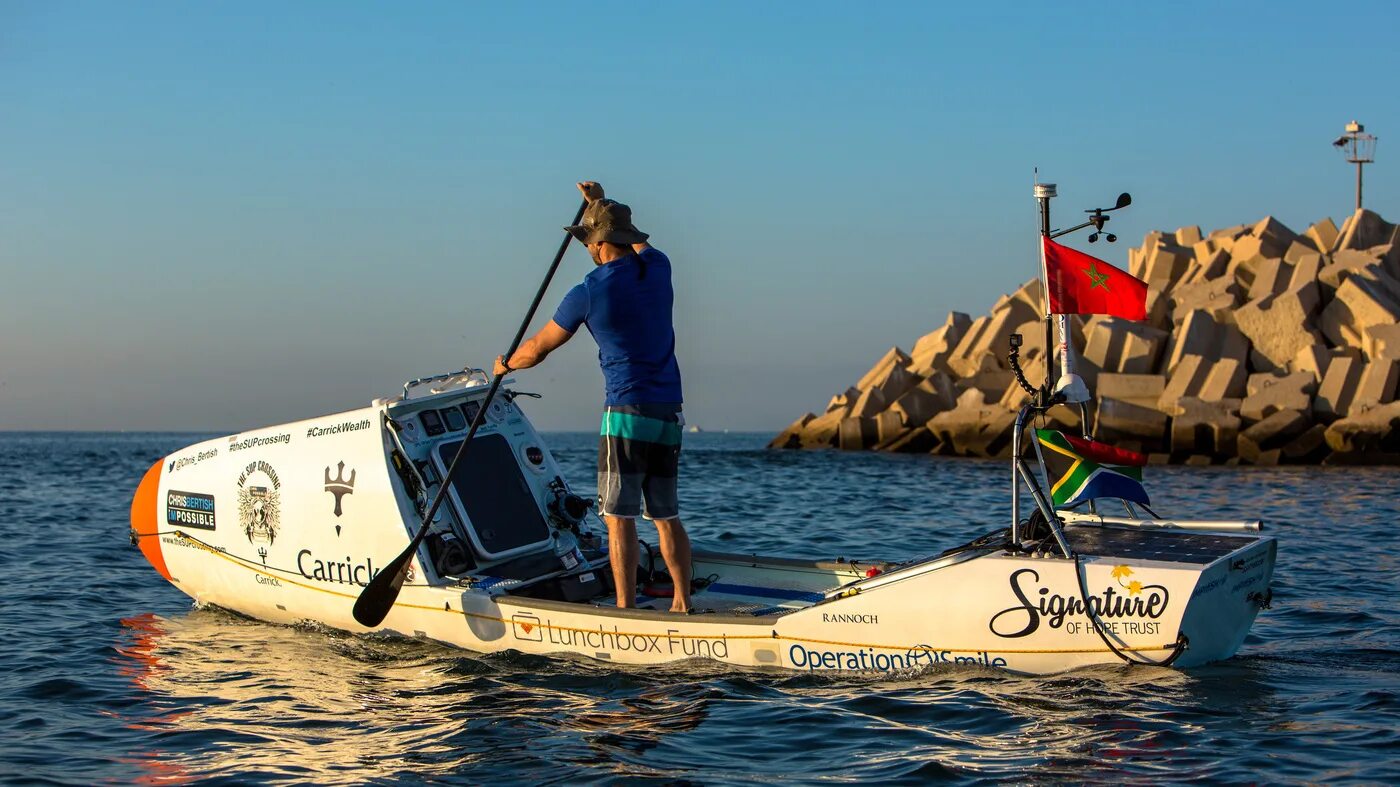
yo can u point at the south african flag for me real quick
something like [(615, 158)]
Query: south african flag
[(1082, 469)]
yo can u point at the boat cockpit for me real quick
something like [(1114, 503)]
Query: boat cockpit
[(511, 524)]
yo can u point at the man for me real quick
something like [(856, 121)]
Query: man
[(626, 303)]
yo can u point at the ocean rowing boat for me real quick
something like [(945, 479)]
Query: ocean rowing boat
[(289, 523)]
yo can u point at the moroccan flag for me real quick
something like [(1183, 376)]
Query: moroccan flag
[(1082, 469), (1080, 284)]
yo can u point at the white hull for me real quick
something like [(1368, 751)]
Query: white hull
[(271, 525)]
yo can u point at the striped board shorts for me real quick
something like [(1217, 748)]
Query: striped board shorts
[(639, 450)]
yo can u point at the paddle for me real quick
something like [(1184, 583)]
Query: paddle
[(378, 597)]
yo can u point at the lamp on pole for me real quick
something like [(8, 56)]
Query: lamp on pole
[(1359, 149)]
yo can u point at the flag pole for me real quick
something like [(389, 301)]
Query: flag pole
[(1069, 385), (1044, 192)]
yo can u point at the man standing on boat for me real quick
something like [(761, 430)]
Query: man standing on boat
[(626, 303)]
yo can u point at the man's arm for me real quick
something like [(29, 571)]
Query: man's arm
[(534, 349)]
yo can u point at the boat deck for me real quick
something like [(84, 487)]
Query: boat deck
[(747, 587), (732, 599), (1134, 543)]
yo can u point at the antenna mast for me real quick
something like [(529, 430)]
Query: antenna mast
[(1359, 148)]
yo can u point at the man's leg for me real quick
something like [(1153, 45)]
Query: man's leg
[(661, 503), (675, 550), (622, 551), (620, 500)]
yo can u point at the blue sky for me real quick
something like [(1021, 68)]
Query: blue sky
[(223, 215)]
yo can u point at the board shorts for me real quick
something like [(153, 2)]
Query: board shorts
[(639, 450)]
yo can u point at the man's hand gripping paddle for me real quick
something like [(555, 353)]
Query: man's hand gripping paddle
[(378, 597)]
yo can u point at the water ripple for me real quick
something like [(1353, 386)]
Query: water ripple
[(111, 677)]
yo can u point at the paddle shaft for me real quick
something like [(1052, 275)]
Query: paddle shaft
[(379, 595)]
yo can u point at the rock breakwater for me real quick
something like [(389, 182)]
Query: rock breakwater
[(1262, 346)]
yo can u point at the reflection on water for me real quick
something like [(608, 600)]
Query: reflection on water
[(312, 704), (109, 677), (325, 706)]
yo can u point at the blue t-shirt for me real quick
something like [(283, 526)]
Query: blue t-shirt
[(626, 305)]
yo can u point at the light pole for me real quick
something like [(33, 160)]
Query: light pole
[(1359, 149)]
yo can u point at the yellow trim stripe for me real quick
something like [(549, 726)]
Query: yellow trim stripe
[(237, 561)]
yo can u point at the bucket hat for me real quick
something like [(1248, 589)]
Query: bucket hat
[(607, 221)]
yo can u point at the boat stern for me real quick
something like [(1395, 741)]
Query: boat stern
[(1228, 596)]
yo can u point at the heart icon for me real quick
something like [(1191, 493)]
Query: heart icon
[(528, 627)]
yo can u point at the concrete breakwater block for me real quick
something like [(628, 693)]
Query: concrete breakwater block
[(932, 351), (1202, 334), (1377, 384), (1360, 303), (1272, 434), (1369, 437), (928, 398), (1323, 235), (974, 427), (1125, 420), (1115, 345), (1270, 393), (1279, 326), (1383, 342), (1203, 428), (1262, 346), (1217, 296), (1338, 388), (1199, 377)]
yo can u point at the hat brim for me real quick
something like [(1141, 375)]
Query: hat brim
[(587, 235)]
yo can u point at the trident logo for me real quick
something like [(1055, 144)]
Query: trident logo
[(339, 487)]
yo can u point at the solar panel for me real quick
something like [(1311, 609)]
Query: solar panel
[(1177, 546)]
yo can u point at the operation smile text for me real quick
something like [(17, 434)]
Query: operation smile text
[(870, 659)]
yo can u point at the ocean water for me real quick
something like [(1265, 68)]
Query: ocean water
[(107, 675)]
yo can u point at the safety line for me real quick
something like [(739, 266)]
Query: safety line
[(262, 568), (258, 569)]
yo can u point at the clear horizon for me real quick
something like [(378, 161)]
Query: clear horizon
[(231, 215)]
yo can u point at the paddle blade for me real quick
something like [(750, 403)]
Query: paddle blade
[(379, 595)]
